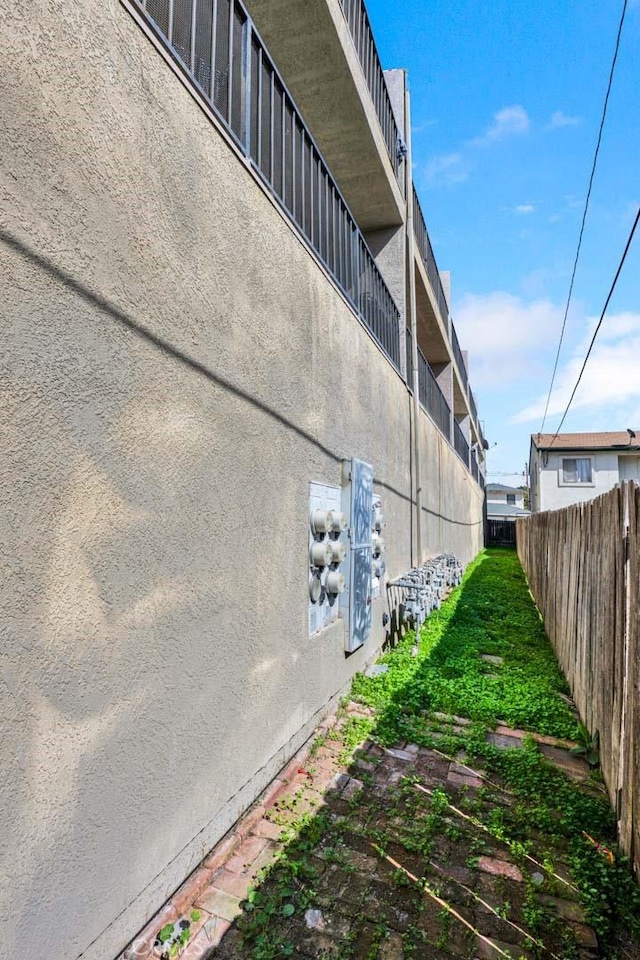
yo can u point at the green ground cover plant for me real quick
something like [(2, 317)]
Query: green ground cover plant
[(490, 613), (560, 833)]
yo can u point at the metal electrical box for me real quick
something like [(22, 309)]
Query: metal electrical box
[(327, 547), (357, 504)]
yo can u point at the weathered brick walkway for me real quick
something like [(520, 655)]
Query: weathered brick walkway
[(364, 849), (465, 897)]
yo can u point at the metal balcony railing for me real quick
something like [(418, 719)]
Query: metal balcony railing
[(472, 405), (216, 45), (460, 444), (355, 14), (457, 352), (428, 258), (432, 397), (434, 402)]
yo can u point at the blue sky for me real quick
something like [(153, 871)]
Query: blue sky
[(506, 103)]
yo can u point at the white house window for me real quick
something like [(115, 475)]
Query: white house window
[(511, 498), (577, 470)]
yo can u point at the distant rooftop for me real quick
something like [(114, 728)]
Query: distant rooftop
[(586, 441), (506, 510), (503, 487)]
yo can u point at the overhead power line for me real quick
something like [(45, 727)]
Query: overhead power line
[(595, 332), (586, 208)]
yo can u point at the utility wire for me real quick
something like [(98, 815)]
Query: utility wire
[(586, 208), (595, 332)]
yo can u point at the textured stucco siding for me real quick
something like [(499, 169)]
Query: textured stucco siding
[(176, 368), (553, 495)]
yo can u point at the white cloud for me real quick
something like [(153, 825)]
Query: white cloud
[(417, 128), (558, 119), (508, 122), (610, 378), (446, 170), (505, 336), (524, 208)]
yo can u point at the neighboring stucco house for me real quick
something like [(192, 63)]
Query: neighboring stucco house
[(505, 503), (573, 467)]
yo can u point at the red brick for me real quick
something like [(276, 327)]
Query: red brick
[(237, 884), (215, 929), (273, 790), (572, 765), (220, 903), (326, 724), (266, 857), (566, 909), (504, 730), (466, 771), (268, 830), (245, 854), (190, 890), (145, 939), (222, 851), (212, 932), (488, 949), (291, 770), (399, 754), (584, 935), (451, 718), (352, 788), (249, 820), (299, 782), (322, 779), (139, 949), (391, 947), (499, 868), (198, 947), (465, 780)]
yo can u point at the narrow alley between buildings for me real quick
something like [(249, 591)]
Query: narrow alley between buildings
[(442, 814)]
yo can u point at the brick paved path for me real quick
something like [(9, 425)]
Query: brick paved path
[(395, 864)]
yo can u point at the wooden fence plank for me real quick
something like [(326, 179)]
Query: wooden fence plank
[(583, 568)]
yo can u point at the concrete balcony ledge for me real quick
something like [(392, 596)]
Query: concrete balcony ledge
[(312, 47), (434, 341)]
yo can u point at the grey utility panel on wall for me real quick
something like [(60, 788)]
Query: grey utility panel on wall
[(346, 562), (357, 504)]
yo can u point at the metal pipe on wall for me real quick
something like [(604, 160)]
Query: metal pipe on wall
[(413, 322)]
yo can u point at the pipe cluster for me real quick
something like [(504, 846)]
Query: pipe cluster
[(424, 587)]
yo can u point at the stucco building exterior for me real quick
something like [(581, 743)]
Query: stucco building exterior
[(573, 467), (220, 300)]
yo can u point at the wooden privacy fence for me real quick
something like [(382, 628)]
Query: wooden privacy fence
[(582, 564)]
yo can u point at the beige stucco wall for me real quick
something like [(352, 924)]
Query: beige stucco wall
[(175, 369)]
